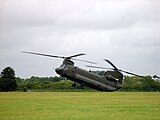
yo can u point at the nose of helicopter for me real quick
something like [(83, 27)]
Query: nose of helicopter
[(59, 71)]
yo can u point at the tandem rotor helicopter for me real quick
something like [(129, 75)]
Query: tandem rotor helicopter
[(110, 81)]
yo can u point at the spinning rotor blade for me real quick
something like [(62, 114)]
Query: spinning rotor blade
[(43, 54), (115, 69), (70, 57), (53, 55), (111, 64), (130, 73), (76, 55)]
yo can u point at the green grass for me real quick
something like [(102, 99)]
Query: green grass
[(79, 106)]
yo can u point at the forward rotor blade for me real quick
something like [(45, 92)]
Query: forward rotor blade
[(55, 56), (99, 67), (43, 54), (76, 55), (84, 61), (111, 64)]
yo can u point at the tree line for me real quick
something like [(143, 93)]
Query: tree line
[(8, 82)]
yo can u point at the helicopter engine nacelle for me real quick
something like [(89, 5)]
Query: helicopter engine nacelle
[(114, 75)]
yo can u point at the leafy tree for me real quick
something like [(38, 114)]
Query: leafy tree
[(7, 80), (8, 72), (140, 84)]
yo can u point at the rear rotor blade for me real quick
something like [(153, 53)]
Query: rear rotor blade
[(130, 73), (43, 54), (115, 70), (111, 64)]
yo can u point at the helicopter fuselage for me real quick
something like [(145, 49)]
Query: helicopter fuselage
[(87, 78)]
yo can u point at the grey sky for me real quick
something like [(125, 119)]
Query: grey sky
[(124, 31)]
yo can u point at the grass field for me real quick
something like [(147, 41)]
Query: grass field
[(79, 106)]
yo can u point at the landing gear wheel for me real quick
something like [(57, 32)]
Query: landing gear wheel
[(74, 85)]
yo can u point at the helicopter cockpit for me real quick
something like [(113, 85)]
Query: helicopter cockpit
[(61, 69)]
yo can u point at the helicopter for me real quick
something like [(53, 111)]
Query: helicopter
[(111, 81)]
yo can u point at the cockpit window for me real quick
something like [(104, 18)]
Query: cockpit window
[(63, 66)]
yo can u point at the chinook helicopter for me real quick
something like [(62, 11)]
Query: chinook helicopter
[(110, 81)]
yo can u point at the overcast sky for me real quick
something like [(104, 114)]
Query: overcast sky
[(127, 32)]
